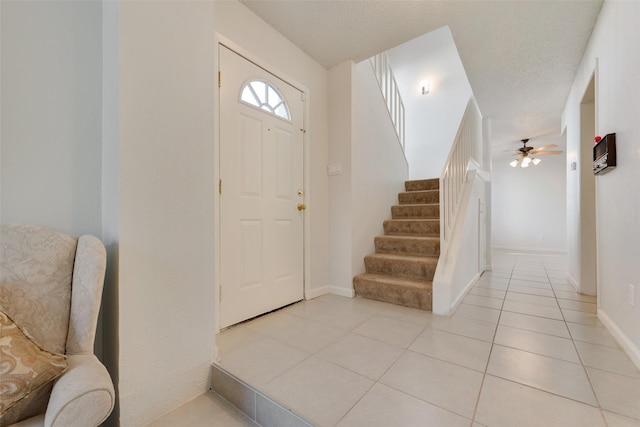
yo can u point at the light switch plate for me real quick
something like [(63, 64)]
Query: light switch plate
[(334, 169)]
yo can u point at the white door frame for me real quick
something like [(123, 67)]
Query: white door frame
[(221, 40)]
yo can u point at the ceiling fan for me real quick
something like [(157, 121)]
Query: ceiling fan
[(525, 154)]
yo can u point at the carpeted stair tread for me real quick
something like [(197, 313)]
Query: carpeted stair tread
[(417, 227), (408, 245), (422, 184), (416, 211), (402, 268), (397, 281), (395, 290), (415, 267), (419, 197)]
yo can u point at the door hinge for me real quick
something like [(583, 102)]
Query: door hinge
[(220, 186), (219, 78), (303, 130)]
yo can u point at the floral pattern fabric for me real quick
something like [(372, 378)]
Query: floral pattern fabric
[(36, 268), (24, 366)]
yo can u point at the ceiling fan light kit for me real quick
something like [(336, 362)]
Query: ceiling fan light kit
[(525, 154)]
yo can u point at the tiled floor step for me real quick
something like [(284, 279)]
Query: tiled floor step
[(413, 267), (254, 404), (422, 184), (416, 227), (408, 245), (419, 197), (401, 291), (421, 211)]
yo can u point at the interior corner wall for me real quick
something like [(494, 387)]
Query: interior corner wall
[(613, 44), (235, 22), (108, 328), (587, 196), (528, 207), (378, 164), (340, 201), (51, 83), (166, 248), (487, 166)]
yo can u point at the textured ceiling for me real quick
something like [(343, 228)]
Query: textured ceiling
[(520, 56)]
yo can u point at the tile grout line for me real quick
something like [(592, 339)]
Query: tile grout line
[(584, 367), (486, 367)]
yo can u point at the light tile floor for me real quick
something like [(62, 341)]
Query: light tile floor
[(523, 349), (206, 410)]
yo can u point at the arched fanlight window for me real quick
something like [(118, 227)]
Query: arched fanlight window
[(263, 95)]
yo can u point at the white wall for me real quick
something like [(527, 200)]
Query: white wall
[(51, 114), (614, 44), (529, 205), (379, 167), (432, 120), (167, 188), (340, 200), (166, 275), (363, 141), (234, 22)]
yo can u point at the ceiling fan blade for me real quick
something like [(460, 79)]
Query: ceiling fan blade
[(546, 152), (544, 147)]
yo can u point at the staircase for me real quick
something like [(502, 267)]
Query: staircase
[(402, 268)]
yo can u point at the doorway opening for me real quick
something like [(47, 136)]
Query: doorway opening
[(588, 244)]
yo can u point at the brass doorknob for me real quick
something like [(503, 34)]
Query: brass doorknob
[(301, 207)]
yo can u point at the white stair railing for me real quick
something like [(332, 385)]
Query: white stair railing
[(465, 151), (390, 92)]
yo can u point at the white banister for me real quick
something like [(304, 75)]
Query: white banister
[(390, 92), (465, 152)]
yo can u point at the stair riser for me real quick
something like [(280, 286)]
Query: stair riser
[(408, 297), (419, 197), (417, 227), (414, 269), (415, 247), (415, 211), (423, 184)]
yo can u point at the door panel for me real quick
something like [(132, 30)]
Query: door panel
[(261, 229)]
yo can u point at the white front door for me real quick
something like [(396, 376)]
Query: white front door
[(261, 172)]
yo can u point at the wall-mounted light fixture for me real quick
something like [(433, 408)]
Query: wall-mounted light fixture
[(424, 87)]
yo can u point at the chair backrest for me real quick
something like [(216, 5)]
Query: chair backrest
[(36, 269)]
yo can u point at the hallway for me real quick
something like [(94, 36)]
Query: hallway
[(522, 350)]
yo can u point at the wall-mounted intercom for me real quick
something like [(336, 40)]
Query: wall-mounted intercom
[(604, 154)]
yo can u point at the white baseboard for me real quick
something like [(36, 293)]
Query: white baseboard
[(573, 282), (627, 345), (335, 290), (316, 292), (464, 292), (343, 292), (524, 249)]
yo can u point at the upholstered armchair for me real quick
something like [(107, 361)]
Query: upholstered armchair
[(50, 291)]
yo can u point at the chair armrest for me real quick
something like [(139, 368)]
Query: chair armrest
[(83, 396)]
